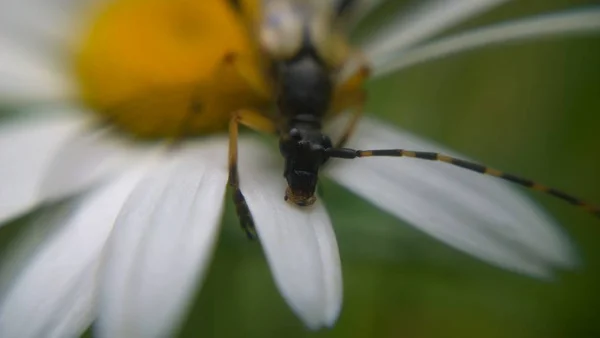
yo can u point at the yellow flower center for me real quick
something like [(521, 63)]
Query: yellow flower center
[(157, 68)]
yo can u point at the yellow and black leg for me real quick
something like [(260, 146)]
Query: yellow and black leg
[(349, 129), (351, 95), (258, 122)]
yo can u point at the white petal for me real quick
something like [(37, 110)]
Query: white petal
[(54, 294), (425, 20), (162, 243), (360, 9), (36, 37), (34, 20), (27, 75), (299, 243), (584, 21), (87, 158), (27, 147), (50, 23), (474, 213)]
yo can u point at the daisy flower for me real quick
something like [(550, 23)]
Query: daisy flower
[(117, 132)]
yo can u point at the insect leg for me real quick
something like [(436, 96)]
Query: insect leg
[(357, 113), (351, 95), (258, 122)]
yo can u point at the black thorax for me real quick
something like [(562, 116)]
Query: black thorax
[(305, 88)]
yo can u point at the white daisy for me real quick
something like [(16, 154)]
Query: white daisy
[(137, 223)]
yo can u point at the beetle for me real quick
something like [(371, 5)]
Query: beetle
[(307, 57)]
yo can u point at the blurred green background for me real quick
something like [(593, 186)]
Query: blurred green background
[(531, 108)]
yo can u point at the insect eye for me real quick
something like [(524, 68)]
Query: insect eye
[(289, 146), (326, 142), (295, 134), (285, 148)]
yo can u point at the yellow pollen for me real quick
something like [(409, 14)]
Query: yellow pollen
[(157, 68)]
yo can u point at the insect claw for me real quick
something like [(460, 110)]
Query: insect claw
[(244, 215), (250, 231)]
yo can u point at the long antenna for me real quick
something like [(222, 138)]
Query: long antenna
[(347, 153)]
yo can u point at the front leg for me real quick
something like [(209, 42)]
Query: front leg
[(350, 94), (257, 122)]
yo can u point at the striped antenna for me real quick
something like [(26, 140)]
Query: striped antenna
[(347, 153)]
